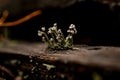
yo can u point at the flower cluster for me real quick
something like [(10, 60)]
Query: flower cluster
[(57, 40)]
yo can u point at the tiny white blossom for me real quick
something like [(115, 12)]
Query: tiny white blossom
[(55, 24), (75, 30), (67, 38), (59, 31), (51, 39), (50, 28), (43, 28), (58, 36), (72, 26), (72, 32), (68, 31), (49, 32), (43, 38), (39, 33), (54, 28)]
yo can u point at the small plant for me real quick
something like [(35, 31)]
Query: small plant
[(58, 40)]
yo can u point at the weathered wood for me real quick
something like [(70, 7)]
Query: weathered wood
[(93, 56)]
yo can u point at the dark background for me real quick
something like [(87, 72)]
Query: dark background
[(97, 23)]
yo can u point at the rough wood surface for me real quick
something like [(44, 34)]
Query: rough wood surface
[(93, 56)]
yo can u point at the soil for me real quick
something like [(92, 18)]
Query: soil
[(34, 61)]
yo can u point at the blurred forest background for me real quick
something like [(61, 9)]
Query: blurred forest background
[(97, 21)]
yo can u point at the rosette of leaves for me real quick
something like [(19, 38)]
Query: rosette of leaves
[(57, 40)]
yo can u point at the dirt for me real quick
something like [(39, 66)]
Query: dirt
[(34, 61)]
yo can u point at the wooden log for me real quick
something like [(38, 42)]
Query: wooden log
[(94, 56)]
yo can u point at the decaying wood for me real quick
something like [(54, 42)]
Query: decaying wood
[(104, 57)]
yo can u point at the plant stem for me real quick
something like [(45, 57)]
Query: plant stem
[(49, 43), (5, 32), (53, 38)]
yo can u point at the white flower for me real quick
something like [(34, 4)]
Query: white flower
[(59, 31), (51, 39), (50, 29), (39, 33), (55, 24), (72, 26), (58, 36), (68, 31), (75, 30), (72, 32), (67, 38), (43, 28), (43, 38), (54, 28), (49, 32)]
